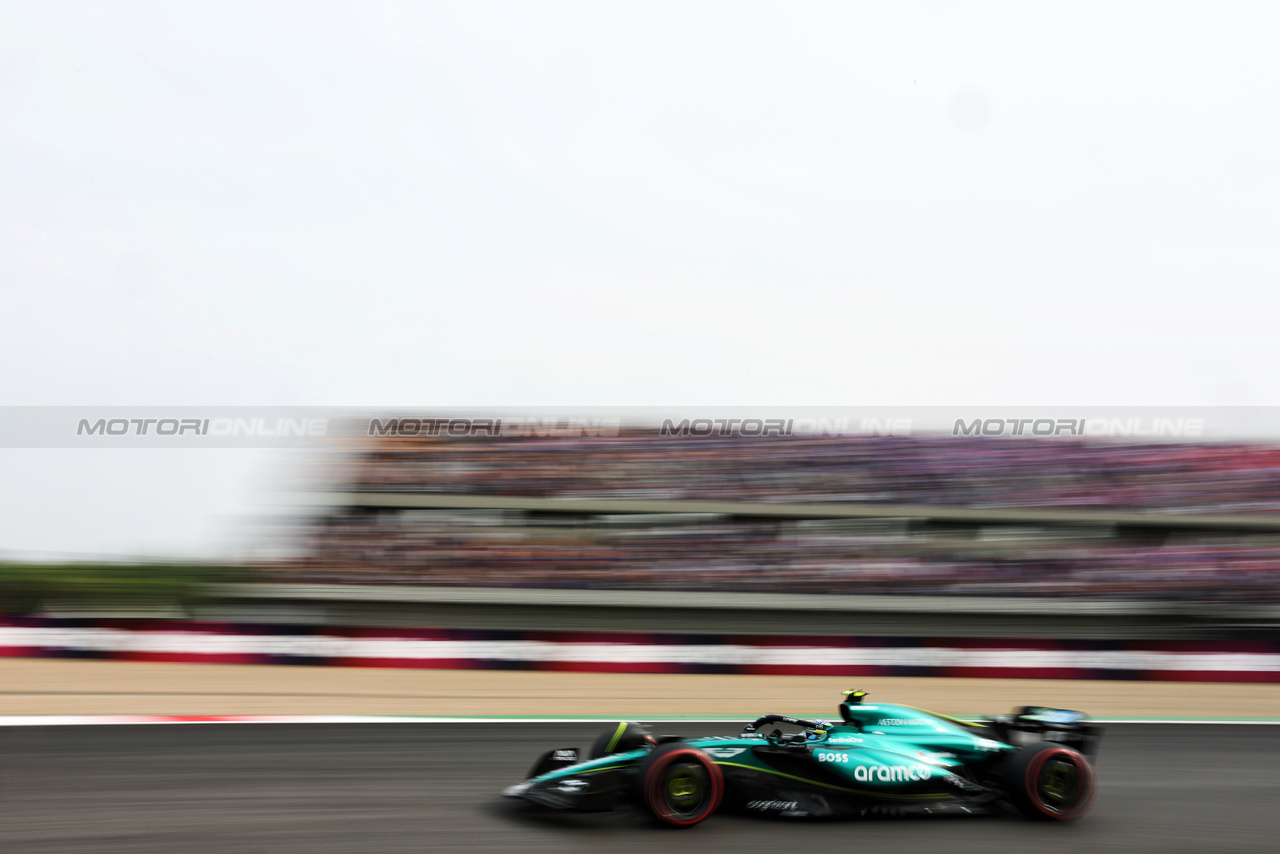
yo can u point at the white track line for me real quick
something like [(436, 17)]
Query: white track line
[(156, 720)]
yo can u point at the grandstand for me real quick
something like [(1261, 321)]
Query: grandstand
[(872, 515)]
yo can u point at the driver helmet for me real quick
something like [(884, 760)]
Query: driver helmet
[(817, 732)]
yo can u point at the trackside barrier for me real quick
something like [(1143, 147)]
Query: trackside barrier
[(627, 652)]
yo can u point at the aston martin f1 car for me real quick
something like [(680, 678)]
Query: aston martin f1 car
[(879, 759)]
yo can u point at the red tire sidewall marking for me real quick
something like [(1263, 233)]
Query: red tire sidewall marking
[(653, 786), (1087, 791)]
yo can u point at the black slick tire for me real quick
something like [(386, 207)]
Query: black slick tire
[(680, 785), (620, 738), (1050, 782)]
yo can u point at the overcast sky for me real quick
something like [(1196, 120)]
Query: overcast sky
[(603, 203)]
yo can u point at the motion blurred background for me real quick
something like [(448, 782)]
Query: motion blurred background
[(1137, 548), (486, 204), (837, 514), (648, 212)]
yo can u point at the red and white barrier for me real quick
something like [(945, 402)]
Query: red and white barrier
[(621, 652)]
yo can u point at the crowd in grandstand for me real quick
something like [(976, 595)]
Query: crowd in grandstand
[(927, 470), (729, 553), (795, 557)]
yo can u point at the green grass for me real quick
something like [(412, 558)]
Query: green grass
[(27, 588)]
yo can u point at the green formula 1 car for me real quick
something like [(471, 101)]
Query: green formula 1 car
[(878, 759)]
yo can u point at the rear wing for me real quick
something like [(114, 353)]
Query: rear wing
[(1037, 723)]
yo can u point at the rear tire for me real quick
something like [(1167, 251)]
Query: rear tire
[(680, 785), (1049, 782), (622, 737)]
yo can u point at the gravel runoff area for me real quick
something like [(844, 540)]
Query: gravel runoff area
[(78, 687)]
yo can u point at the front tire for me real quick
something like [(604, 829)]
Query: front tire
[(680, 785), (622, 737), (1049, 782)]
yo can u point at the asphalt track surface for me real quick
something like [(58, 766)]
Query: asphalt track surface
[(434, 787)]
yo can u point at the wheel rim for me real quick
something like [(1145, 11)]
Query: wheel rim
[(1058, 784), (684, 787)]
